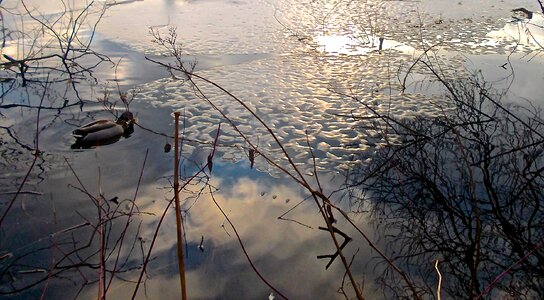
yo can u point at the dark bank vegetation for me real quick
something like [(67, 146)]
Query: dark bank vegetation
[(456, 197), (465, 189)]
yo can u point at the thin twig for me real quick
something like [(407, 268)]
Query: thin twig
[(36, 155), (244, 248), (503, 273)]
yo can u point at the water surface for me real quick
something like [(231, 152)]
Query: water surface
[(296, 64)]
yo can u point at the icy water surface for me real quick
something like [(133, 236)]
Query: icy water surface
[(306, 68), (299, 77)]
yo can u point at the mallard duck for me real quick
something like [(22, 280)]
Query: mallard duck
[(103, 132)]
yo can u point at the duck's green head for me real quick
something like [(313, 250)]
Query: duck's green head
[(126, 118)]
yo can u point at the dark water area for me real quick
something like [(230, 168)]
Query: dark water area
[(347, 87)]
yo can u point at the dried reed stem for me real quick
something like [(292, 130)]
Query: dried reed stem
[(438, 289), (181, 261)]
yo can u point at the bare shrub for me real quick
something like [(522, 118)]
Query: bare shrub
[(464, 188)]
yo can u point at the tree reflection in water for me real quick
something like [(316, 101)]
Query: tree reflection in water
[(465, 189)]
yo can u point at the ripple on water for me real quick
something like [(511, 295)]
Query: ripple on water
[(299, 90), (293, 106)]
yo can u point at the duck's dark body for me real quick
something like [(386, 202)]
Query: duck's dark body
[(103, 132)]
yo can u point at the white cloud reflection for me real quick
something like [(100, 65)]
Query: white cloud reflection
[(283, 251)]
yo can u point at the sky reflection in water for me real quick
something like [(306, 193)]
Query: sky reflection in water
[(284, 251)]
